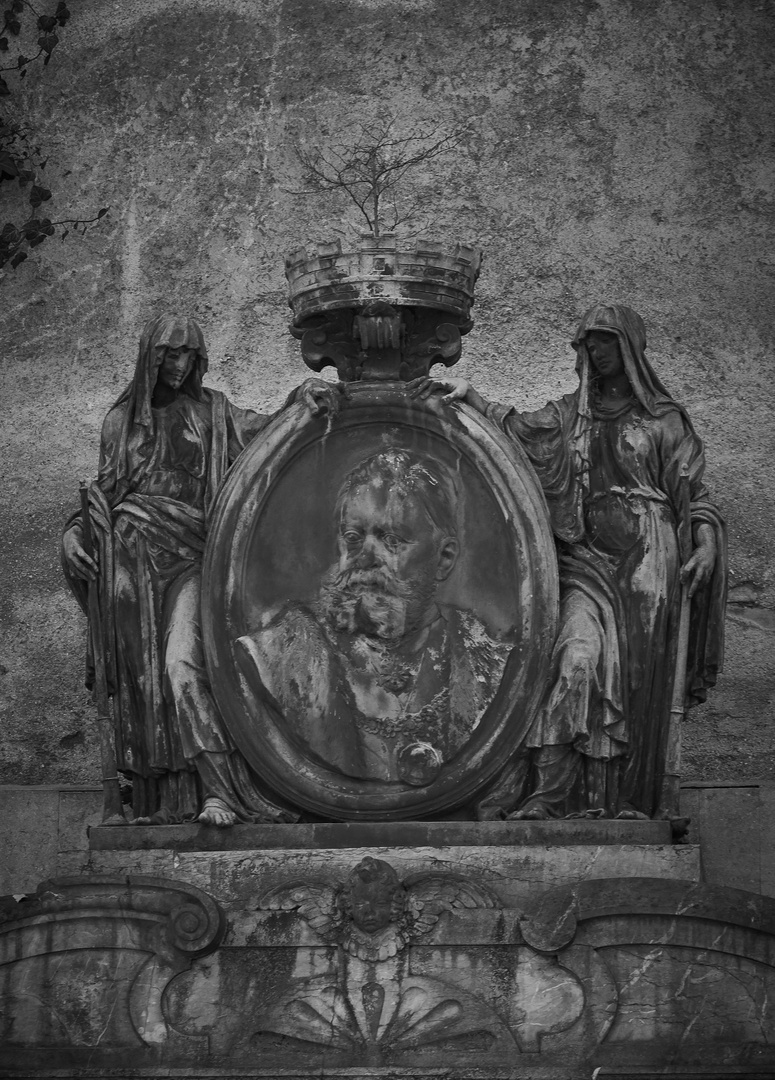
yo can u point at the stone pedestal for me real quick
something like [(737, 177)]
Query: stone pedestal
[(455, 949), (517, 860)]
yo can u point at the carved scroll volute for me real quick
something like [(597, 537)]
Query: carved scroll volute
[(144, 927), (320, 351), (551, 925), (331, 343), (381, 343), (431, 342)]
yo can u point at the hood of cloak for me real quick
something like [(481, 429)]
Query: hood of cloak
[(630, 329), (164, 332)]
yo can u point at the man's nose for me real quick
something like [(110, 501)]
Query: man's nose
[(370, 553)]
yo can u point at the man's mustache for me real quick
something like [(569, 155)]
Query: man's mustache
[(378, 579), (371, 601)]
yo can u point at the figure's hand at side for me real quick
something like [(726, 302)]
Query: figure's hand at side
[(699, 567), (321, 397), (79, 563)]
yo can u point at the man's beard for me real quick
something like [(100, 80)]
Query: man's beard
[(373, 602)]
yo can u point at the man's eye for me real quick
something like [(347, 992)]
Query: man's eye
[(392, 542), (351, 537)]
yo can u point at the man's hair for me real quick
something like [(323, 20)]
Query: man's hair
[(408, 474)]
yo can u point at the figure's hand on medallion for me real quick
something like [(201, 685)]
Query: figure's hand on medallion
[(698, 570), (79, 563), (321, 397), (453, 389)]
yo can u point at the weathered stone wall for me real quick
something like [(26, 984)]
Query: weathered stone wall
[(616, 150)]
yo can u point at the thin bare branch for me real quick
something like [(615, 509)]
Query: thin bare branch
[(372, 163)]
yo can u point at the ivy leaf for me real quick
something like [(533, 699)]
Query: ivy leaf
[(21, 60), (13, 25), (10, 234), (4, 91), (47, 43), (19, 257), (9, 168), (103, 211), (3, 44), (65, 233), (38, 238), (46, 23), (39, 195), (17, 6)]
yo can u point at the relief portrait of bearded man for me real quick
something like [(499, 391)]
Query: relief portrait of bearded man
[(375, 677)]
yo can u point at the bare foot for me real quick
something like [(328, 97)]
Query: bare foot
[(216, 812), (535, 813), (628, 814)]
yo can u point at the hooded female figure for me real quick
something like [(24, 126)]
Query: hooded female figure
[(166, 445), (610, 458)]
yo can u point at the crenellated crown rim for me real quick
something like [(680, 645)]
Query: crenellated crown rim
[(423, 273)]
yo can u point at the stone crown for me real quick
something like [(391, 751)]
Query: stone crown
[(423, 274)]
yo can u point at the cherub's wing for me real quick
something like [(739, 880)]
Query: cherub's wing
[(431, 894), (315, 901)]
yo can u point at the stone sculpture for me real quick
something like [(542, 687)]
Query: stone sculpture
[(422, 669), (610, 458), (373, 915), (166, 445), (379, 592), (376, 677), (372, 1002), (125, 973)]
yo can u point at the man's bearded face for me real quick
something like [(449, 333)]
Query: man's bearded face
[(390, 561)]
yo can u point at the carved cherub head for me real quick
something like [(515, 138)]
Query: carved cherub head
[(372, 914), (373, 896)]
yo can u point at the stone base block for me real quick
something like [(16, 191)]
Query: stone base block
[(44, 832), (515, 859), (511, 957)]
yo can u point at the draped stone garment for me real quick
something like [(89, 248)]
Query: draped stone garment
[(611, 478), (355, 703), (160, 470)]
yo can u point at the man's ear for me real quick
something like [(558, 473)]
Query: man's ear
[(448, 552)]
